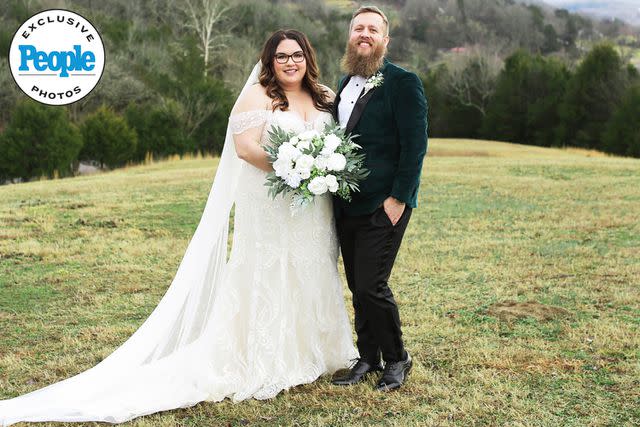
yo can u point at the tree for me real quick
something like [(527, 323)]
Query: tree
[(117, 88), (593, 93), (537, 17), (160, 130), (5, 42), (472, 78), (21, 10), (108, 139), (210, 130), (39, 140), (202, 16), (551, 41), (622, 134), (524, 107), (463, 19), (9, 93), (203, 102), (448, 118)]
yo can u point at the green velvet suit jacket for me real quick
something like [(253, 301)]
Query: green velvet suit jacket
[(391, 121)]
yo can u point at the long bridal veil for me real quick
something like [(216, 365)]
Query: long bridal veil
[(144, 367)]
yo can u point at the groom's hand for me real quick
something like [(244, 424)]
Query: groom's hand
[(393, 208)]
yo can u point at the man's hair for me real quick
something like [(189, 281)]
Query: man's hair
[(371, 9)]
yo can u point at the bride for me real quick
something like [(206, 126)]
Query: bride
[(270, 317)]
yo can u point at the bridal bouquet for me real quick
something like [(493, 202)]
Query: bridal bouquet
[(313, 163)]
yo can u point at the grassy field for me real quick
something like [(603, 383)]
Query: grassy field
[(518, 285)]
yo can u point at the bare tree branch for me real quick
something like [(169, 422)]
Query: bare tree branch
[(472, 78), (202, 17)]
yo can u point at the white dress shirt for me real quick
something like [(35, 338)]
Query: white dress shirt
[(348, 98)]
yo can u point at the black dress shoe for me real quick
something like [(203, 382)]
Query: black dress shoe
[(357, 373), (394, 375)]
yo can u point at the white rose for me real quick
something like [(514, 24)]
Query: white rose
[(321, 163), (308, 135), (294, 140), (305, 161), (296, 153), (304, 165), (293, 179), (304, 173), (288, 151), (285, 148), (282, 167), (318, 185), (304, 144), (336, 162), (331, 142), (332, 183)]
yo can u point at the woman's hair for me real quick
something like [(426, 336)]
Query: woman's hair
[(309, 82)]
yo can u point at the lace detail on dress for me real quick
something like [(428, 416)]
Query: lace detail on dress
[(240, 122), (288, 325)]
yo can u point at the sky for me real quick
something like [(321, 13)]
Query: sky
[(628, 10), (594, 3)]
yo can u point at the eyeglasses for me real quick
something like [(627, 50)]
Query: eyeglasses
[(283, 58)]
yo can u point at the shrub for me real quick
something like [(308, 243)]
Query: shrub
[(39, 140), (108, 139), (622, 135)]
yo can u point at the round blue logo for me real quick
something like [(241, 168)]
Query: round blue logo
[(56, 57)]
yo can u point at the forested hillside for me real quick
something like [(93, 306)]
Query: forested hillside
[(174, 68)]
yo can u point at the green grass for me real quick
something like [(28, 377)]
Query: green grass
[(517, 284)]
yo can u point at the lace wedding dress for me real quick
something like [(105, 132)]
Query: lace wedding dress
[(270, 317)]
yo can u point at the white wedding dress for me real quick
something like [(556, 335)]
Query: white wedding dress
[(270, 317)]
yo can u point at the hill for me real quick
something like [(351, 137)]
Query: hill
[(517, 284)]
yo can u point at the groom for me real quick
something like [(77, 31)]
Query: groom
[(385, 105)]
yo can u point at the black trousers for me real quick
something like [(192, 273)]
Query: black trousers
[(369, 246)]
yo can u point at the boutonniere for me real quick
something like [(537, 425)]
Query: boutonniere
[(373, 82)]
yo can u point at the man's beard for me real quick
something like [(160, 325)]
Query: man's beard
[(365, 66)]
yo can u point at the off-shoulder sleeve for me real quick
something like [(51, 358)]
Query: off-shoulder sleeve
[(240, 122)]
